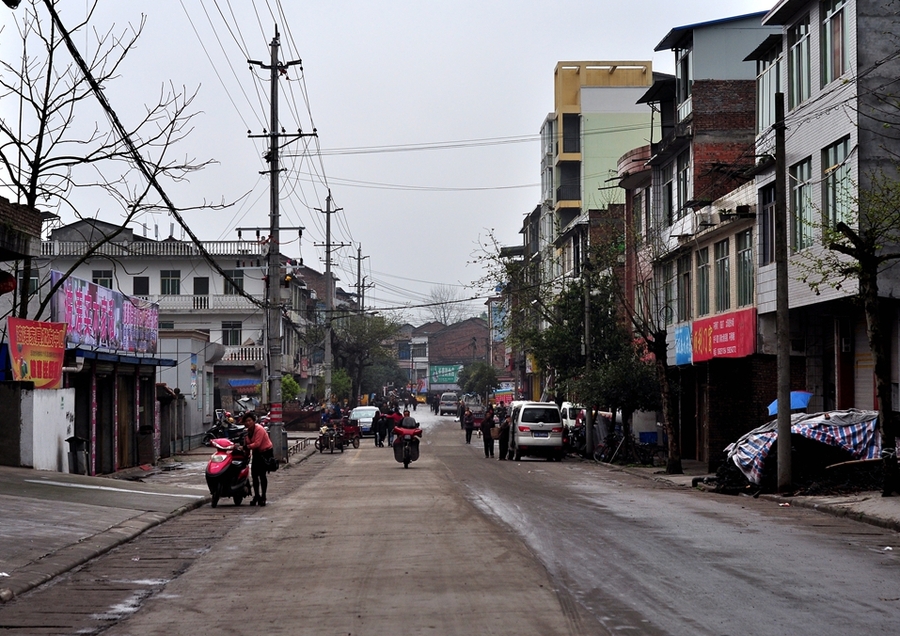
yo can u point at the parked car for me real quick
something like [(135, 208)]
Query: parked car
[(362, 416), (536, 429), (448, 403)]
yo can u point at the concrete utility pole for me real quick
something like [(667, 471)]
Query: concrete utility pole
[(359, 279), (782, 307), (273, 297), (329, 292)]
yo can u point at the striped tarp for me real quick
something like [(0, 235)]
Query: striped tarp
[(853, 430)]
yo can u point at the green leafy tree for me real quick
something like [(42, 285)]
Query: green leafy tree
[(289, 388), (479, 378), (381, 373), (341, 385), (359, 341)]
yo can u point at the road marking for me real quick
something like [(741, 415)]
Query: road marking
[(124, 490)]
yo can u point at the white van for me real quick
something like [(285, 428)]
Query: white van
[(536, 429), (570, 413)]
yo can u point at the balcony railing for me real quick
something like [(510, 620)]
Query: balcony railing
[(153, 248), (570, 192), (244, 353), (220, 302)]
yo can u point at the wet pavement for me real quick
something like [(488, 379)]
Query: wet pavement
[(52, 522)]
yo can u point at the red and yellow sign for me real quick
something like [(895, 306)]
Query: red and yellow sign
[(36, 351), (726, 336)]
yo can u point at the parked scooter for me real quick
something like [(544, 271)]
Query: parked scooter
[(228, 471), (406, 445), (225, 427)]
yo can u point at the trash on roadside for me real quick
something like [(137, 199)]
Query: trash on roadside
[(785, 505)]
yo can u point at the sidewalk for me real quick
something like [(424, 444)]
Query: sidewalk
[(867, 507), (52, 522)]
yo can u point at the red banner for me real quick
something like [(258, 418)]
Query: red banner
[(727, 336), (36, 351)]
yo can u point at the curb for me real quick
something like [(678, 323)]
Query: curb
[(72, 556)]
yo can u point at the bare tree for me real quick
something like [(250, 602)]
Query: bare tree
[(445, 305), (47, 154)]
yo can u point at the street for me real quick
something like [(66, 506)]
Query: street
[(352, 543)]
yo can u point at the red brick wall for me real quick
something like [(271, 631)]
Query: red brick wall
[(724, 128), (453, 344), (20, 218)]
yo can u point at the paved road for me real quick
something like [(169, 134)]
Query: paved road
[(351, 541)]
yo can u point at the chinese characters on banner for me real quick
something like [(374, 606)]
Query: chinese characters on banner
[(727, 336), (103, 318), (36, 351)]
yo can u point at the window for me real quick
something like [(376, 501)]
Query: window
[(801, 205), (703, 282), (32, 284), (767, 225), (684, 183), (102, 277), (723, 276), (836, 182), (798, 63), (669, 293), (668, 194), (420, 350), (684, 79), (637, 213), (834, 40), (140, 286), (571, 130), (768, 82), (684, 288), (744, 248), (231, 333), (166, 324), (170, 282), (200, 298), (233, 288)]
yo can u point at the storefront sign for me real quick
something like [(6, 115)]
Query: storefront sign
[(727, 336), (101, 318), (444, 373), (683, 352), (37, 349)]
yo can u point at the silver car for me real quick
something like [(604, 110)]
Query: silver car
[(536, 429), (362, 416)]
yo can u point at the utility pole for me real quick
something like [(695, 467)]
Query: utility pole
[(273, 297), (782, 306), (329, 292), (359, 280), (588, 412)]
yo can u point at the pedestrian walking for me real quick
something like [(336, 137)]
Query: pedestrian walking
[(394, 419), (504, 438), (378, 427), (261, 453), (486, 425), (469, 424)]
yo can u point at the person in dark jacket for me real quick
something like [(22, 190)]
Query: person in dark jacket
[(504, 438), (469, 424), (377, 427), (486, 425)]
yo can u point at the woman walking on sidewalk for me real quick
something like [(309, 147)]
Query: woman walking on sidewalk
[(260, 447)]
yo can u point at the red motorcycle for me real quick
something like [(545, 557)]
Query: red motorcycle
[(406, 445), (228, 471)]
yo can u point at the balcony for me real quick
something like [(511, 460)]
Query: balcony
[(569, 192), (243, 354), (152, 249), (220, 302)]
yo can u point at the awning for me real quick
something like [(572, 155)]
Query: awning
[(123, 358)]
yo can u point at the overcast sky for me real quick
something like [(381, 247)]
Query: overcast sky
[(470, 81)]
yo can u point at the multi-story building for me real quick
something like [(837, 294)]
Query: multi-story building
[(835, 62), (194, 296), (596, 118), (690, 210)]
